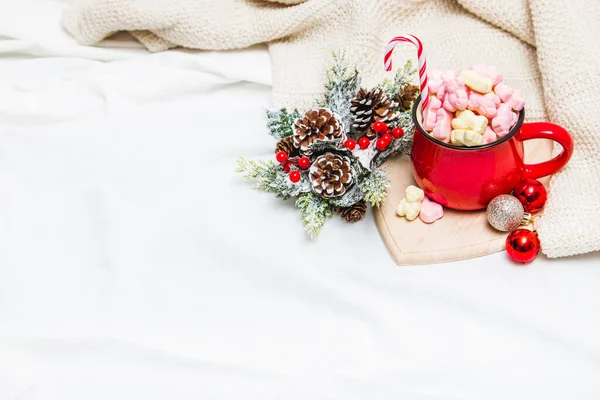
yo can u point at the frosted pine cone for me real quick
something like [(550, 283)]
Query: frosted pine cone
[(331, 175), (371, 106), (319, 124)]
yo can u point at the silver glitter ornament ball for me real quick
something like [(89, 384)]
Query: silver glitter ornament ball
[(505, 212)]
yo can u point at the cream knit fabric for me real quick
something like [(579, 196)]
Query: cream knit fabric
[(546, 48)]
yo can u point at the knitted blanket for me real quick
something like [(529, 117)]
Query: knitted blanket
[(546, 48)]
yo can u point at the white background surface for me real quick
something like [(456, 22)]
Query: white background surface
[(135, 264)]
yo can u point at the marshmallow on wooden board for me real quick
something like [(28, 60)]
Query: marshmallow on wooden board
[(410, 205), (464, 137), (467, 120), (475, 81), (430, 211)]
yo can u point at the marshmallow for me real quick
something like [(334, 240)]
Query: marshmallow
[(484, 104), (435, 83), (443, 125), (430, 211), (414, 194), (463, 137), (489, 136), (510, 96), (430, 113), (456, 95), (467, 120), (409, 210), (410, 206), (505, 120), (490, 72), (475, 81)]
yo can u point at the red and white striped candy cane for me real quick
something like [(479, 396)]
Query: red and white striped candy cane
[(387, 60)]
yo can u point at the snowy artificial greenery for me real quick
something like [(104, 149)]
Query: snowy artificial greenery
[(314, 211), (341, 87), (404, 76), (370, 181), (281, 122), (375, 186)]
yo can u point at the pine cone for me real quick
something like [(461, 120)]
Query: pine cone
[(319, 124), (371, 106), (406, 97), (354, 213), (286, 145), (331, 175)]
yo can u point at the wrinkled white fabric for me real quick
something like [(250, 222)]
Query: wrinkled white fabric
[(135, 264)]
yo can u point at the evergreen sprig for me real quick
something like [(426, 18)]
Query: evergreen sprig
[(404, 76), (281, 122), (314, 211), (269, 177), (341, 87), (375, 186)]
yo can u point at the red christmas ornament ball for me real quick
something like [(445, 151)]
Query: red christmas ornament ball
[(363, 142), (398, 132), (381, 144), (532, 194), (387, 137), (281, 157), (380, 127), (287, 166), (304, 163), (295, 176), (522, 245), (350, 144)]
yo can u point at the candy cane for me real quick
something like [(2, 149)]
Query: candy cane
[(387, 61)]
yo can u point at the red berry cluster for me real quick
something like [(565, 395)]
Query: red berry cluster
[(283, 158), (386, 136)]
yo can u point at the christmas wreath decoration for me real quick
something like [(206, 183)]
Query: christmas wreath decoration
[(329, 157)]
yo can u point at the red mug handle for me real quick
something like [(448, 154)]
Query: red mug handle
[(546, 130)]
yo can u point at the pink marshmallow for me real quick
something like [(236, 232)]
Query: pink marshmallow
[(484, 104), (430, 113), (489, 136), (504, 121), (443, 126), (489, 72), (430, 211), (435, 83), (510, 96), (456, 95)]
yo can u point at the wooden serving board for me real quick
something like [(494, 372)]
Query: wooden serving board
[(459, 235)]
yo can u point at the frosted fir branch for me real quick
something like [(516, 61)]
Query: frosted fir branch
[(341, 87), (375, 187), (314, 211), (404, 76), (281, 122)]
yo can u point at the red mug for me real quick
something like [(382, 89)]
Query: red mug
[(467, 178)]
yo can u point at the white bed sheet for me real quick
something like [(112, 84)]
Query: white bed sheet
[(135, 264)]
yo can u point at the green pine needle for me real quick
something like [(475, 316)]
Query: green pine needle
[(315, 211)]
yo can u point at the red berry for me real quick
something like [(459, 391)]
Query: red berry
[(387, 137), (304, 163), (287, 166), (363, 142), (350, 144), (380, 127), (398, 132), (281, 157), (295, 176), (382, 144)]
